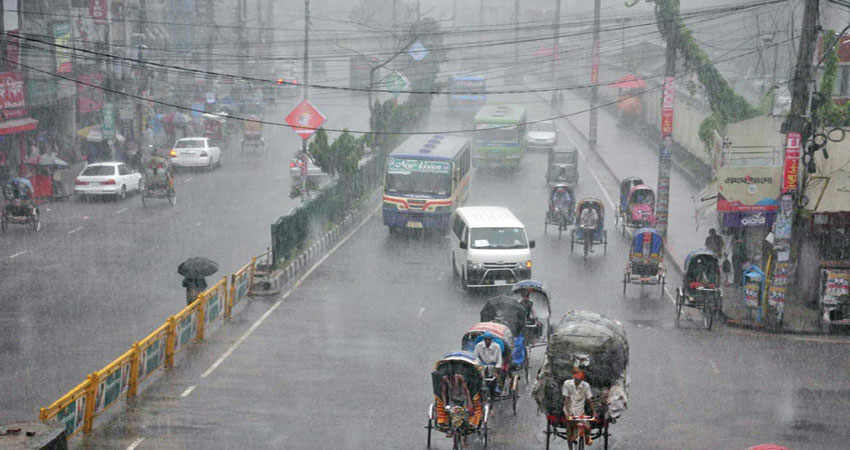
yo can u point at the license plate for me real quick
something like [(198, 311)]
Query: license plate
[(500, 282), (414, 224)]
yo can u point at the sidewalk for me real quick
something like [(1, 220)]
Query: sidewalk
[(640, 158)]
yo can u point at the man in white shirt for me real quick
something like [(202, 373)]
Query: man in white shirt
[(589, 218), (576, 394), (489, 354)]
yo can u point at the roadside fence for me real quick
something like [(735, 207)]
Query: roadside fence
[(121, 378)]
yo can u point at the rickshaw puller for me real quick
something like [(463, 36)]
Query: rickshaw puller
[(576, 394), (455, 392)]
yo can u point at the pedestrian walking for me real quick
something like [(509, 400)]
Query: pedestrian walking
[(194, 288), (4, 170), (714, 242), (739, 257)]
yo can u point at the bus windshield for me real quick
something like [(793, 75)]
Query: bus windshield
[(500, 135), (419, 177)]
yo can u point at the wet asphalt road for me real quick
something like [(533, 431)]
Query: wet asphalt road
[(102, 274), (343, 360)]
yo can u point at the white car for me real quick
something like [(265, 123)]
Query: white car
[(195, 152), (107, 178), (541, 135)]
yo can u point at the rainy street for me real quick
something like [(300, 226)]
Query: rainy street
[(344, 359), (733, 113)]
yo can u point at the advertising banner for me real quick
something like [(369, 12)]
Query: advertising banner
[(241, 290), (62, 39), (791, 170), (89, 96), (667, 104), (12, 95), (13, 48), (72, 416), (748, 189), (215, 303), (152, 356), (112, 388), (187, 329), (107, 121), (87, 32)]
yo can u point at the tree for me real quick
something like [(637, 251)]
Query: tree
[(341, 157)]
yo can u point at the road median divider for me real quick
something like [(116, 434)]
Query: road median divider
[(78, 409)]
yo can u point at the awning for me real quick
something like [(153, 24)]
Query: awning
[(829, 194), (17, 125)]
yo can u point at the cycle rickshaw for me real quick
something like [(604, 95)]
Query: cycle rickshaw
[(561, 204), (700, 287), (537, 316), (454, 418), (646, 260), (20, 205), (639, 210), (508, 311), (588, 236), (508, 387), (159, 181)]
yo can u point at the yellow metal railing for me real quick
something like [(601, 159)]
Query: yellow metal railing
[(102, 389)]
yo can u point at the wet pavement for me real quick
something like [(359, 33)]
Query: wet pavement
[(343, 360), (103, 274)]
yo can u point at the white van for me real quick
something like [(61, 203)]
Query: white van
[(489, 247)]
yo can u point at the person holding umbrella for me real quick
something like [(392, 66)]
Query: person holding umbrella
[(194, 271)]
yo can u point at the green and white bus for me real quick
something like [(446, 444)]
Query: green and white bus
[(499, 136)]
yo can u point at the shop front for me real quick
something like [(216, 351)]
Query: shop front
[(16, 127)]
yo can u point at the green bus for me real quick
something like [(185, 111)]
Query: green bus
[(499, 136)]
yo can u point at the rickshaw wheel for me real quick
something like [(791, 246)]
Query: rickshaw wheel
[(572, 240), (486, 437), (546, 226), (625, 281), (4, 225), (708, 313), (172, 198), (525, 363), (36, 222), (429, 427), (561, 228), (457, 439), (605, 241), (587, 242), (548, 433), (605, 436), (144, 202)]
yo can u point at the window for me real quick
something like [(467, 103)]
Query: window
[(500, 238), (95, 171), (123, 170), (842, 88), (457, 227), (190, 143)]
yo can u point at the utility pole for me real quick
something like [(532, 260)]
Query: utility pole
[(304, 90), (239, 32), (668, 103), (211, 23), (594, 74), (556, 50), (797, 121)]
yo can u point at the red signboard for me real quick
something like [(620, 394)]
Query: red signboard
[(97, 9), (89, 95), (305, 119), (12, 95), (667, 104), (791, 169)]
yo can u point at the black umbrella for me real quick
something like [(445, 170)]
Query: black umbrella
[(197, 267)]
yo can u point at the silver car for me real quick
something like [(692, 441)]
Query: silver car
[(541, 135)]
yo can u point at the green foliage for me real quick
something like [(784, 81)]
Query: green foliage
[(829, 114), (347, 151), (726, 105), (706, 131)]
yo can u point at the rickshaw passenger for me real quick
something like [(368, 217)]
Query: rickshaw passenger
[(530, 317), (561, 199)]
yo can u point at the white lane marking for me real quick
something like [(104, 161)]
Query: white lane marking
[(187, 391), (120, 211), (188, 179), (421, 311), (75, 230), (135, 443), (592, 173), (86, 217), (198, 224), (18, 254), (277, 304), (714, 367)]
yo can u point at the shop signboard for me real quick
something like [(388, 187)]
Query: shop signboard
[(13, 48), (89, 94), (748, 189), (98, 9), (12, 95), (107, 123), (62, 40), (791, 171)]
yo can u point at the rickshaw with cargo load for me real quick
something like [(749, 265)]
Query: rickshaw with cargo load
[(701, 286), (646, 260), (497, 388), (598, 346), (561, 208), (562, 166), (455, 418), (587, 234), (20, 208), (506, 310)]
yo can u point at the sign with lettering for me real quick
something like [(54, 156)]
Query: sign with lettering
[(791, 170), (406, 166), (12, 95)]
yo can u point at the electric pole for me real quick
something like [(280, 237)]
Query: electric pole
[(304, 89), (516, 32), (594, 74), (668, 103), (556, 50)]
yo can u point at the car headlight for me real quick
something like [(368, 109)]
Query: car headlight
[(474, 266)]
